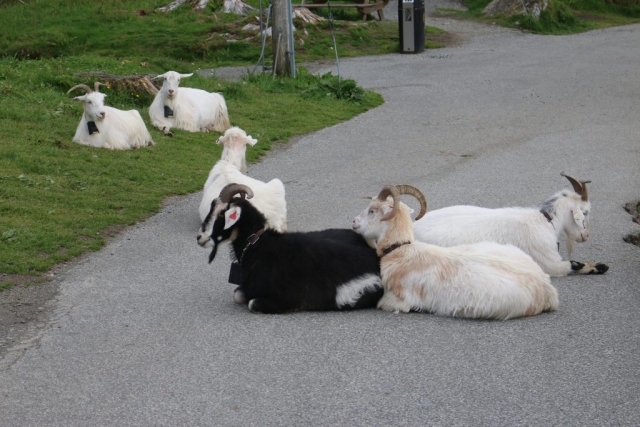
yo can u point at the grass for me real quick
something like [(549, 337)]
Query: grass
[(564, 16), (59, 199)]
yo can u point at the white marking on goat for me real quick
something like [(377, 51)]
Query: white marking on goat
[(350, 292)]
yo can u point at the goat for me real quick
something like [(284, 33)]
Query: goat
[(534, 230), (231, 168), (193, 110), (269, 197), (484, 280), (281, 272), (107, 127)]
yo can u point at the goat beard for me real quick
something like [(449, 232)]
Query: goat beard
[(569, 244)]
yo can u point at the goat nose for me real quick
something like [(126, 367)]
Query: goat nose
[(102, 114), (170, 91)]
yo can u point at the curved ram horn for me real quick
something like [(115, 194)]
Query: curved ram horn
[(390, 190), (413, 191), (227, 193), (577, 187), (97, 85), (81, 86)]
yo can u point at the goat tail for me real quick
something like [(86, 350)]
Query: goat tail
[(221, 119)]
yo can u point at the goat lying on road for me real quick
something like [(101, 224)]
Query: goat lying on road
[(281, 272), (484, 280)]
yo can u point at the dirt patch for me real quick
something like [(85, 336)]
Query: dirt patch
[(23, 306)]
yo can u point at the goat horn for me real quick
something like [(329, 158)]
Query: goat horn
[(577, 187), (390, 190), (230, 190), (97, 85), (585, 195), (413, 191), (81, 86)]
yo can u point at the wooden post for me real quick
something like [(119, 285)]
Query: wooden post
[(280, 39)]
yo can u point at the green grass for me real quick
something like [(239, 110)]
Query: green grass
[(564, 16), (59, 199)]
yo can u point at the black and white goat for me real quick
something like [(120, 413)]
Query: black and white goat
[(534, 230), (281, 272)]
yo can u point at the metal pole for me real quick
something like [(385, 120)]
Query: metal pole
[(292, 45)]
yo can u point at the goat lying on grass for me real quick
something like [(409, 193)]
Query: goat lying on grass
[(281, 272), (534, 230), (484, 280), (107, 127)]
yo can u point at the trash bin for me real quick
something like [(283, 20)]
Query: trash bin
[(411, 24)]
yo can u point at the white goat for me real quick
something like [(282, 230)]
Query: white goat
[(534, 230), (107, 127), (484, 280), (269, 198), (193, 110)]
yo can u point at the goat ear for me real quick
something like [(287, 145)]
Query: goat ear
[(186, 75), (251, 141), (578, 216), (80, 98), (231, 216), (220, 140)]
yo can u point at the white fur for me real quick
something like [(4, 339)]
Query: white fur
[(349, 293), (118, 129), (194, 110), (235, 142), (483, 280), (525, 228), (268, 198)]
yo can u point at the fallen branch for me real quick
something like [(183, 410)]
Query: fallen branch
[(139, 83)]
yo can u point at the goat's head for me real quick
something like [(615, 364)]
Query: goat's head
[(235, 142), (226, 210), (92, 101), (571, 208), (575, 207), (170, 83), (387, 208)]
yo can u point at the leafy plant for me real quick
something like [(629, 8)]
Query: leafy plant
[(332, 86)]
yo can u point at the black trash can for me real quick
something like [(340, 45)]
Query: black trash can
[(411, 24)]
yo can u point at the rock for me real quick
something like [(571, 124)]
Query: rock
[(513, 7)]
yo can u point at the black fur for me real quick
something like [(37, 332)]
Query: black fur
[(296, 271)]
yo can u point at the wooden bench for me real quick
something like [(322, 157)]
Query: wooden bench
[(363, 6)]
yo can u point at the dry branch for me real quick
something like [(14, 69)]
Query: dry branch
[(138, 83)]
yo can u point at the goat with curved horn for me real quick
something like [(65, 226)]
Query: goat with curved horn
[(81, 86), (230, 190)]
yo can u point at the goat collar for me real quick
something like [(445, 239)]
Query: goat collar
[(389, 249), (250, 241), (546, 215)]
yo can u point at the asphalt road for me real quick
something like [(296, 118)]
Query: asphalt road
[(146, 333)]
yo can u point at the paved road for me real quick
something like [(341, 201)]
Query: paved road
[(145, 332)]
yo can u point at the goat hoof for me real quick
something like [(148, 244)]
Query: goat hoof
[(601, 269), (575, 265)]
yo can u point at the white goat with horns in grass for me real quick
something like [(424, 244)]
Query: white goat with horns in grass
[(107, 127), (482, 281), (190, 109), (534, 230)]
